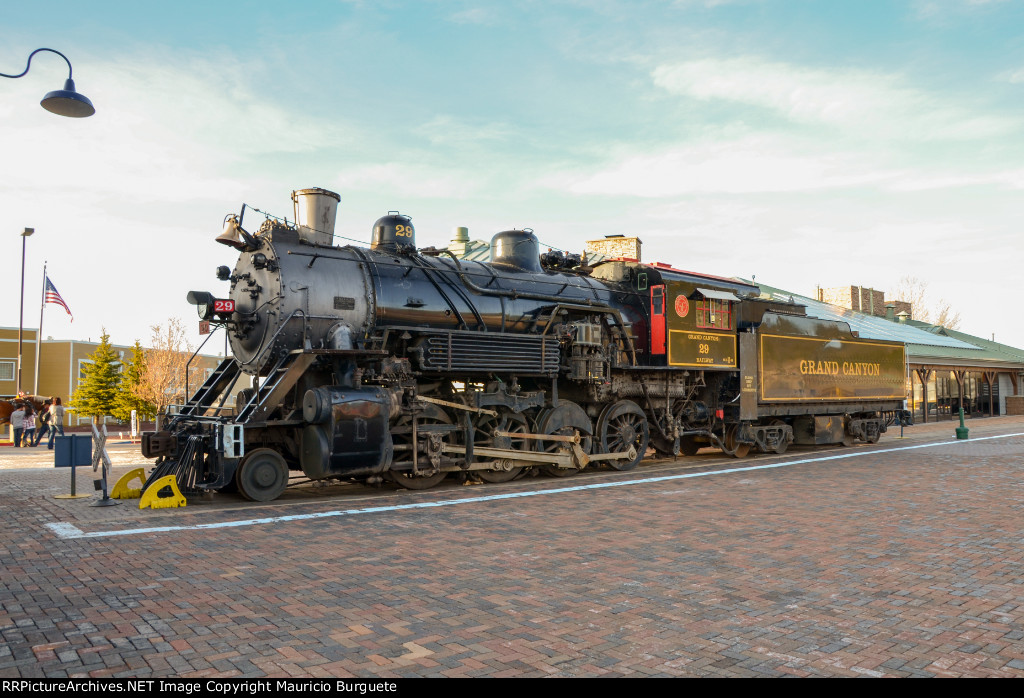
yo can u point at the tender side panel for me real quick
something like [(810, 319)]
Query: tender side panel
[(801, 369)]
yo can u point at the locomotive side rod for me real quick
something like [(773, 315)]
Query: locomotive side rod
[(561, 460), (582, 459), (456, 405), (574, 439)]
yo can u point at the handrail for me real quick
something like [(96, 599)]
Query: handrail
[(188, 364), (269, 345), (259, 357)]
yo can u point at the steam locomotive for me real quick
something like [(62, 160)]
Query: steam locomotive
[(408, 365)]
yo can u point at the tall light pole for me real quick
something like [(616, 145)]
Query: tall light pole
[(21, 311), (66, 102)]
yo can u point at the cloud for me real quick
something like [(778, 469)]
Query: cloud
[(446, 130), (1012, 76), (160, 133), (942, 9), (752, 164), (411, 180), (857, 103), (487, 17)]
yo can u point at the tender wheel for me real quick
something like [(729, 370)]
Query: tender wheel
[(735, 449), (486, 427), (620, 425), (262, 475), (565, 420), (403, 450)]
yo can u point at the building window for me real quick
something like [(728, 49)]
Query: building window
[(6, 370), (714, 314)]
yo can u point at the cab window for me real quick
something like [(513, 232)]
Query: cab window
[(714, 314)]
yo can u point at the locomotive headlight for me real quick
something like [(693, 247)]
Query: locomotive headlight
[(203, 302), (208, 307)]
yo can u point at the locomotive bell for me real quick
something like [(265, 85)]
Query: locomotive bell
[(393, 231), (518, 249), (234, 235)]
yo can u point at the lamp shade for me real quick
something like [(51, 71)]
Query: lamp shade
[(68, 102)]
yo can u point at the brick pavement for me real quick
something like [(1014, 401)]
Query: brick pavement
[(905, 563)]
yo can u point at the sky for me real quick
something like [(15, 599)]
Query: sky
[(799, 143)]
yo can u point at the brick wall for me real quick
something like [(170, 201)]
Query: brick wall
[(1015, 404), (628, 247), (864, 300)]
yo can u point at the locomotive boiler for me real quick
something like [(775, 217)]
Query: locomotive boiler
[(398, 363)]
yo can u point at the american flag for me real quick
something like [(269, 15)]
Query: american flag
[(52, 296)]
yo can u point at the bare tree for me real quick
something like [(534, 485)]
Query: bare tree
[(913, 290), (946, 316), (163, 377)]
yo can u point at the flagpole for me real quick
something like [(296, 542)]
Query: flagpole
[(39, 333)]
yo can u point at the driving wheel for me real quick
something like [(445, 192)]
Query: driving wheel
[(620, 425)]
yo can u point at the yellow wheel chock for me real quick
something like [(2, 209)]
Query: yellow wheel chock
[(151, 497), (121, 489)]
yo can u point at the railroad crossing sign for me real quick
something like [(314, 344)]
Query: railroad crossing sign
[(99, 453)]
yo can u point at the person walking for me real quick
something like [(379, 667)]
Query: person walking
[(44, 422), (28, 429), (56, 421), (18, 422)]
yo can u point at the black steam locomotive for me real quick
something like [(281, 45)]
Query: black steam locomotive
[(405, 364)]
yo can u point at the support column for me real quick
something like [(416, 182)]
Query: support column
[(991, 377), (923, 375), (960, 374)]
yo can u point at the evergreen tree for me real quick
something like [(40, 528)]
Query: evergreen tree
[(128, 397), (96, 394)]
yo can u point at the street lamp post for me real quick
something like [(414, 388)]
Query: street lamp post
[(66, 102), (21, 311)]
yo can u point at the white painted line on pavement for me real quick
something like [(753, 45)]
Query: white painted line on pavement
[(70, 531)]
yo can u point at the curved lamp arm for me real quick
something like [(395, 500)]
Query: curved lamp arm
[(66, 102)]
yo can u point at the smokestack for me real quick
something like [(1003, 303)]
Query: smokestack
[(315, 213)]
